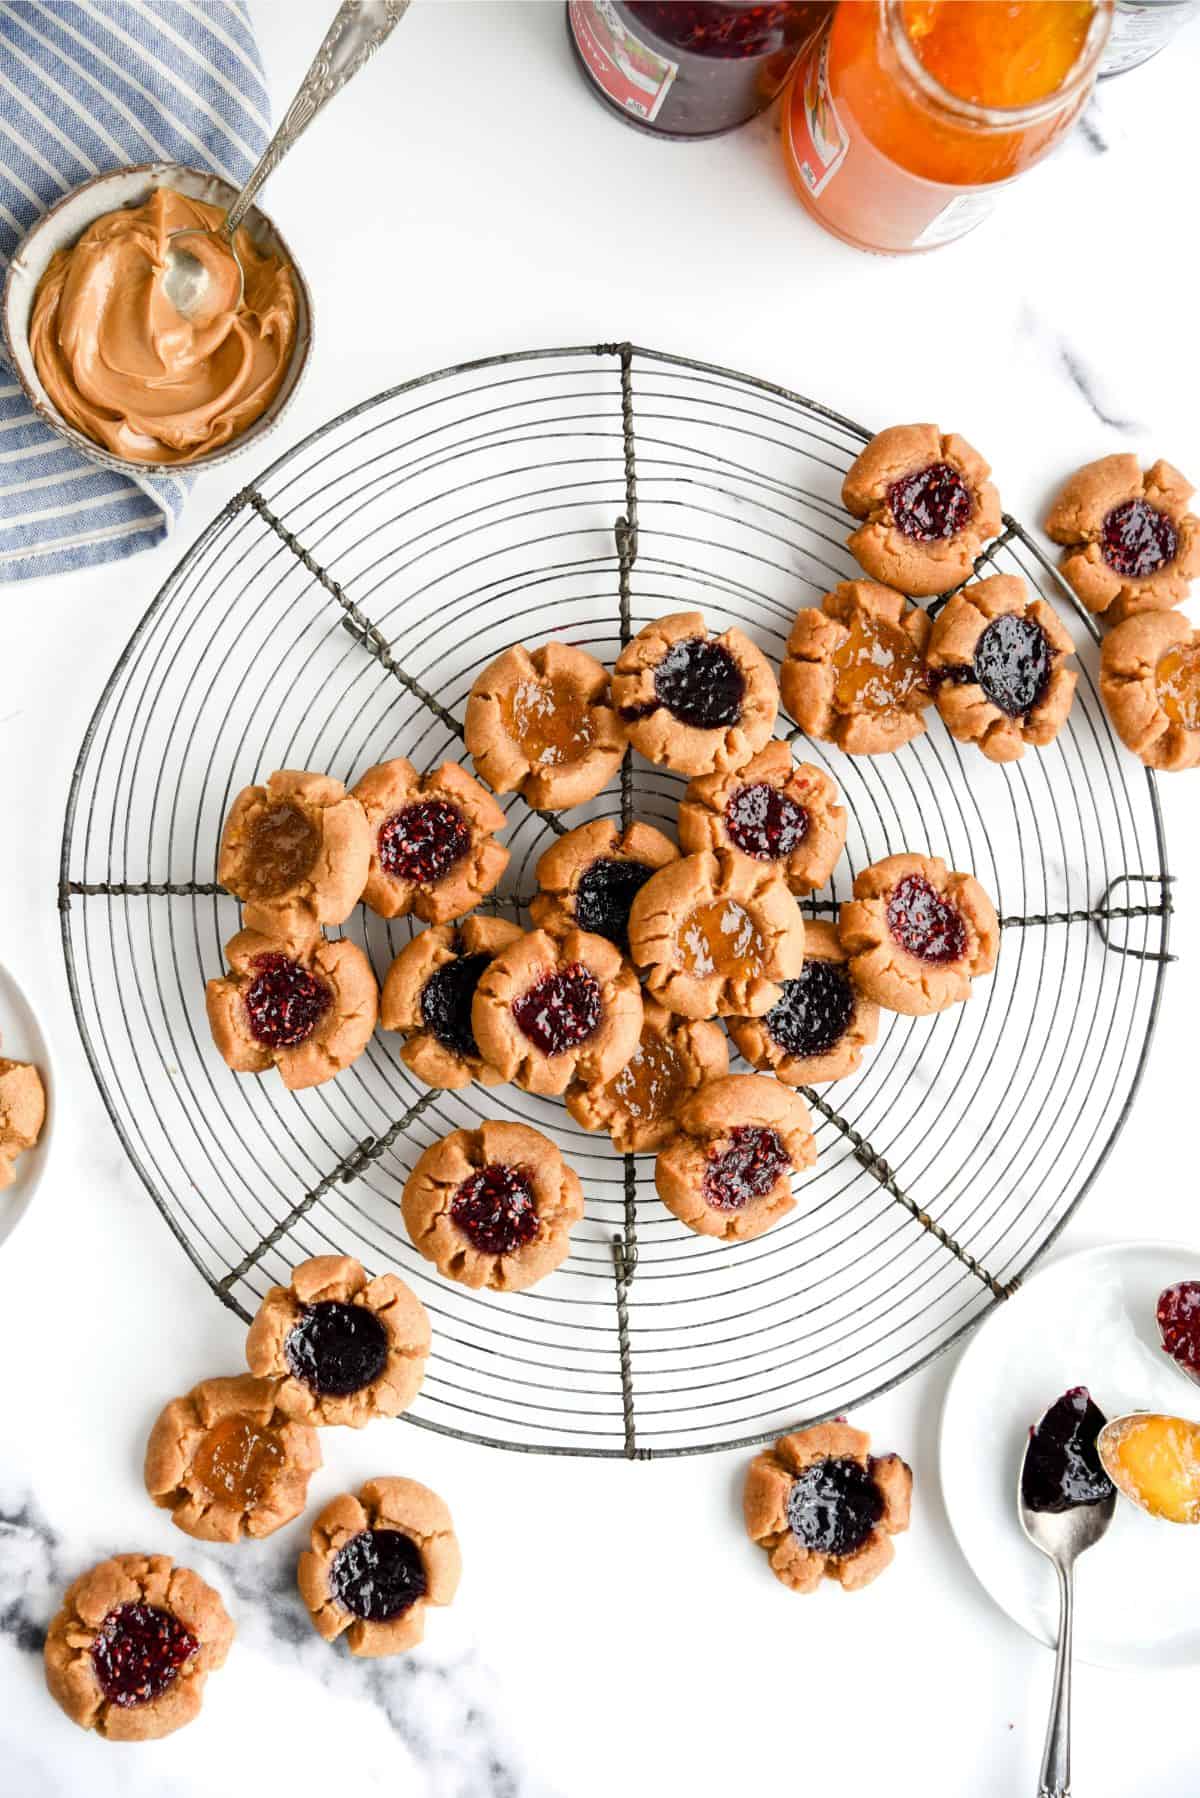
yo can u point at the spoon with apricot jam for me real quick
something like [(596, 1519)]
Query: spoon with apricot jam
[(1154, 1460), (1065, 1502)]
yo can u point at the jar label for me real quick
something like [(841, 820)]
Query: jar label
[(819, 139), (636, 77)]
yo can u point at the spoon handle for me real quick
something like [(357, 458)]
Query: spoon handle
[(1056, 1756), (358, 29)]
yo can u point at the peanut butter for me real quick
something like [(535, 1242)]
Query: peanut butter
[(120, 363)]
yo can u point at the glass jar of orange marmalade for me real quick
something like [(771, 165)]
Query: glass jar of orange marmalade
[(906, 116)]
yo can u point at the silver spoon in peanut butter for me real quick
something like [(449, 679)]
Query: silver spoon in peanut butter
[(204, 275)]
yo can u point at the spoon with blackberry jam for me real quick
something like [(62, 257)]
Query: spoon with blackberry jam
[(1065, 1502)]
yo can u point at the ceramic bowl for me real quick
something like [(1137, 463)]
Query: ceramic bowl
[(63, 225)]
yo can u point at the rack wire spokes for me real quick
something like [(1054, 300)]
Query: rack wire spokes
[(337, 612)]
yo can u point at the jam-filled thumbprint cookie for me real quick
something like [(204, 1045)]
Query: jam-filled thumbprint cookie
[(716, 935), (428, 994), (639, 1106), (542, 723), (996, 665), (927, 508), (308, 1011), (552, 1009), (433, 851), (377, 1558), (853, 672), (588, 879), (341, 1348), (226, 1463), (131, 1647), (1150, 685), (727, 1172), (820, 1026), (917, 934), (22, 1113), (823, 1507), (296, 852), (494, 1206), (773, 810), (1131, 544), (695, 701)]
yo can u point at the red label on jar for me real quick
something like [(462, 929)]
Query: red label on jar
[(819, 140), (629, 71)]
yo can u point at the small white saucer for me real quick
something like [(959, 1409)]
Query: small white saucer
[(1086, 1321), (21, 1039)]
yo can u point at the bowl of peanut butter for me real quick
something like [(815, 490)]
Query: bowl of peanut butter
[(104, 357)]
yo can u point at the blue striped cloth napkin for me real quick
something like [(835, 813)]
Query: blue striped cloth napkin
[(87, 85)]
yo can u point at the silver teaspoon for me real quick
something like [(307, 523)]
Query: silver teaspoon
[(203, 266), (1063, 1536)]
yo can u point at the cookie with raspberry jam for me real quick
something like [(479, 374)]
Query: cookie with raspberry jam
[(308, 1011), (296, 852), (996, 665), (226, 1463), (727, 1172), (130, 1649), (494, 1206), (1150, 685), (774, 811), (552, 1009), (428, 994), (433, 851), (714, 935), (821, 1024), (854, 669), (340, 1348), (917, 934), (1132, 545), (541, 722), (927, 508), (377, 1558), (692, 699), (589, 878), (638, 1106)]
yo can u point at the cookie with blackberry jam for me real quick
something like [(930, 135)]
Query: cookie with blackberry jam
[(589, 878), (727, 1172), (773, 810), (1131, 544), (639, 1105), (693, 700), (552, 1009), (927, 508), (308, 1010), (853, 672), (822, 1506), (342, 1348), (428, 993), (917, 935), (996, 665), (377, 1559), (296, 852), (433, 848), (493, 1206), (820, 1026)]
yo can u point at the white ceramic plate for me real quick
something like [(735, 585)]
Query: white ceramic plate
[(1086, 1321), (21, 1039)]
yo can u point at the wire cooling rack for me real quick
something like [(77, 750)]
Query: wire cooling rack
[(336, 613)]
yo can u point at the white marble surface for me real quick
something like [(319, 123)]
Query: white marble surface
[(614, 1630)]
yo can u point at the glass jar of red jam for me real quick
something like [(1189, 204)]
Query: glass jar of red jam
[(906, 117), (690, 68)]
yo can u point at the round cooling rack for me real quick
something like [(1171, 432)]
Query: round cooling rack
[(336, 614)]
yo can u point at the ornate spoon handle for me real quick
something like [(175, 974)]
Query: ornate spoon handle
[(1056, 1758), (358, 29)]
